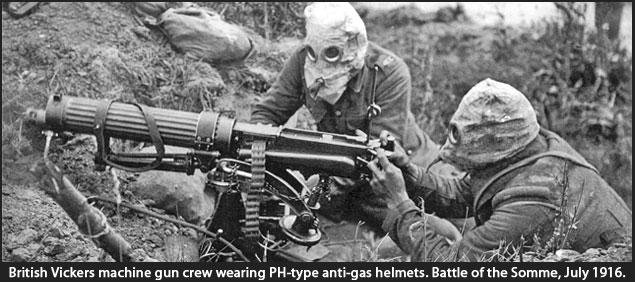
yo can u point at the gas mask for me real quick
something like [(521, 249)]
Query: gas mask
[(493, 122), (335, 47)]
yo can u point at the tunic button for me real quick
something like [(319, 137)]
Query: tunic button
[(338, 113)]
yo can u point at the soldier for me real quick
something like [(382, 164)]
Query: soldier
[(525, 184), (338, 74)]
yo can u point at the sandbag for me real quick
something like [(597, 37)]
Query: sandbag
[(155, 9), (201, 34)]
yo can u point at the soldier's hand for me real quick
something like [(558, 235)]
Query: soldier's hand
[(399, 157), (387, 180)]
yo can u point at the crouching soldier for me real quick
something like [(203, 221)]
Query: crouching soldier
[(525, 185), (337, 74)]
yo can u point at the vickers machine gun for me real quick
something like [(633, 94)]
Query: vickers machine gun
[(239, 158)]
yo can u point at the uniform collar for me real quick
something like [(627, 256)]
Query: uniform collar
[(369, 63)]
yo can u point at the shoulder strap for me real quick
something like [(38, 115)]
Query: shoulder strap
[(373, 109)]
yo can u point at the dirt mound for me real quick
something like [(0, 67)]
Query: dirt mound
[(99, 50)]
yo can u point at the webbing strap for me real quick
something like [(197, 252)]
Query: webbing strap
[(373, 109)]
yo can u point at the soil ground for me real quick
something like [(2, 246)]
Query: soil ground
[(98, 50)]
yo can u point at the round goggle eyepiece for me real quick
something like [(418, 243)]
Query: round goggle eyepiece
[(310, 53), (453, 134), (332, 54)]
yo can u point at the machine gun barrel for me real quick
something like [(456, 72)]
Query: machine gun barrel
[(123, 120), (208, 131)]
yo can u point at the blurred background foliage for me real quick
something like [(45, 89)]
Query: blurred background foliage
[(578, 80)]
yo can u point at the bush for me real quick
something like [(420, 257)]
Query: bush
[(272, 20), (579, 81)]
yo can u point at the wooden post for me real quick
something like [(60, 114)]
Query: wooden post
[(90, 221)]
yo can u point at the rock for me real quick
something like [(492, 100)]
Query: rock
[(107, 258), (155, 239), (26, 236), (57, 232), (176, 193), (94, 256), (11, 243), (21, 255), (566, 255), (148, 202), (593, 251), (140, 255), (172, 228), (54, 250), (529, 257), (49, 241), (33, 247), (189, 232), (142, 32)]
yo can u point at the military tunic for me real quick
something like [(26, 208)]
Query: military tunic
[(546, 186), (392, 94)]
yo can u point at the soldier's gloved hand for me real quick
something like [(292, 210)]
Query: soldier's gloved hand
[(387, 181), (399, 157)]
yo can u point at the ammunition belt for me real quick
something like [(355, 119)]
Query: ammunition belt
[(250, 228)]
